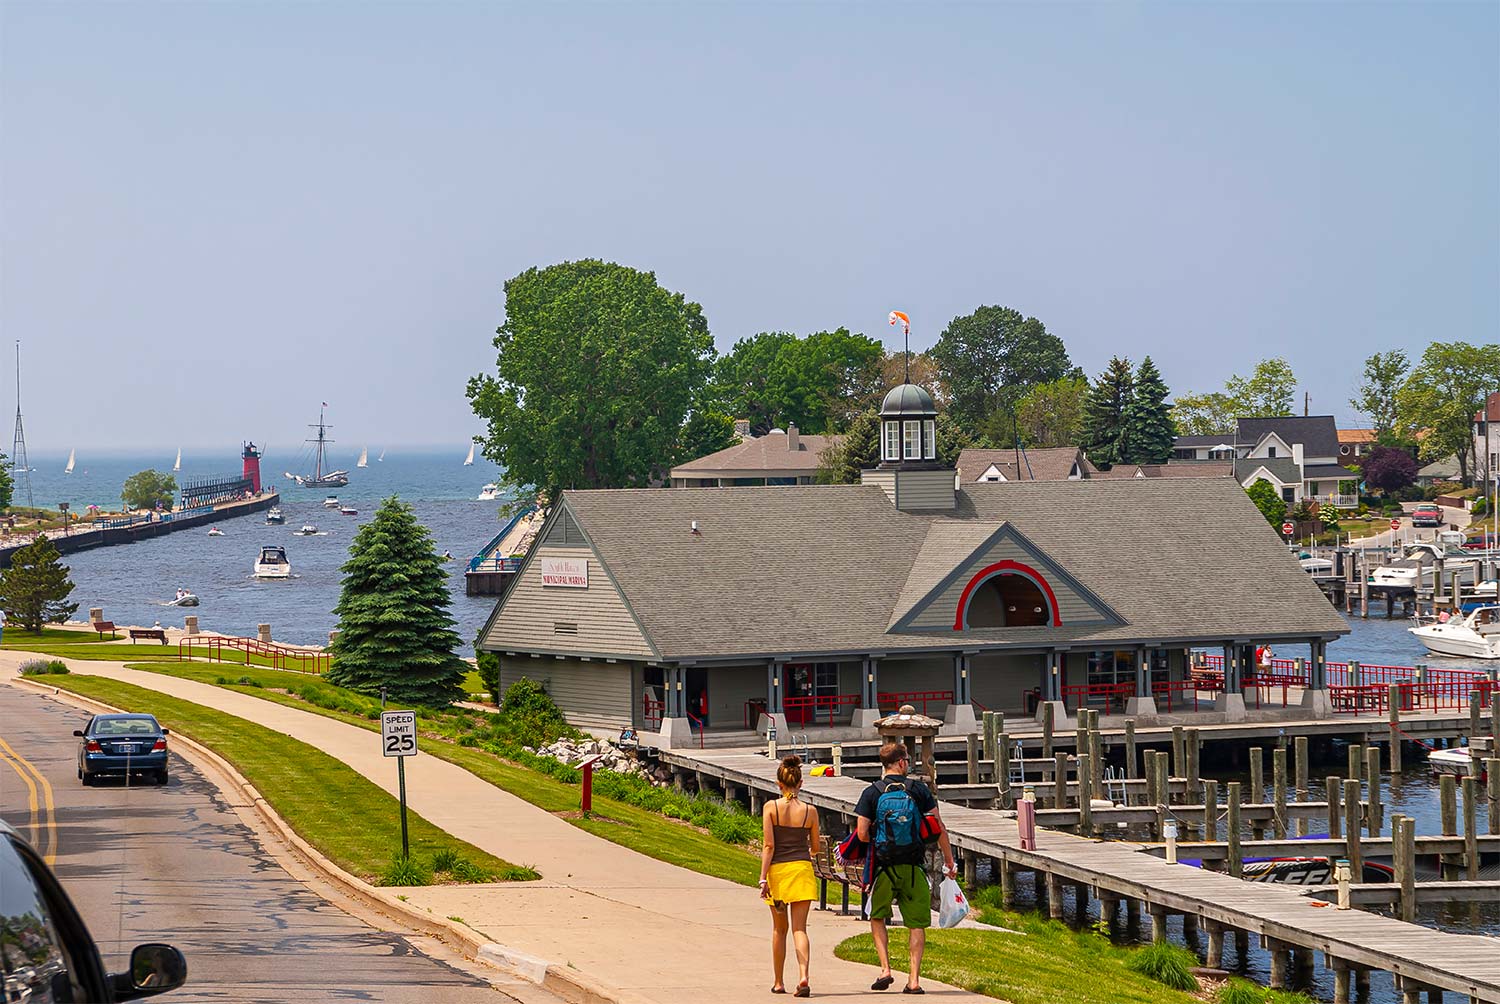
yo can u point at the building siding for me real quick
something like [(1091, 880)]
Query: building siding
[(925, 489), (927, 673), (530, 613), (1000, 682), (595, 695), (1072, 606), (729, 687)]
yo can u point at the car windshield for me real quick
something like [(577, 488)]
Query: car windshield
[(125, 727)]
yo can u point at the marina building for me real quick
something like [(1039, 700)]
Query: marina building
[(780, 457), (726, 608)]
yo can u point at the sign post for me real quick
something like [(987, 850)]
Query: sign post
[(1287, 528), (1395, 523), (398, 738), (587, 766)]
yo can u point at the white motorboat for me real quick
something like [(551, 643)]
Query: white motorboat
[(331, 502), (348, 510), (1475, 636), (1316, 566), (184, 599), (274, 515), (489, 492), (214, 531), (1461, 761), (272, 564), (307, 530)]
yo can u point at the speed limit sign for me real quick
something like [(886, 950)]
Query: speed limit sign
[(398, 733)]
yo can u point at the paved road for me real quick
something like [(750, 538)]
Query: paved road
[(176, 864)]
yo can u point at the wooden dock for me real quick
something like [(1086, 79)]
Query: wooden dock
[(1286, 919)]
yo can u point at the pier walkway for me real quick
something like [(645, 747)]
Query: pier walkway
[(1419, 957)]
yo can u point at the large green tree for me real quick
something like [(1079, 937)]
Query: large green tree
[(1149, 430), (395, 630), (1442, 393), (1266, 499), (1106, 435), (989, 359), (1049, 414), (34, 589), (1268, 392), (148, 489), (598, 367), (818, 382), (1375, 397), (705, 432), (1210, 414)]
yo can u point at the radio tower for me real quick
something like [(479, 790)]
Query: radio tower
[(18, 464)]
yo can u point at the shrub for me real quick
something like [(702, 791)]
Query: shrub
[(467, 871), (405, 871), (487, 665), (1240, 992), (529, 716), (1166, 964), (44, 667), (445, 859)]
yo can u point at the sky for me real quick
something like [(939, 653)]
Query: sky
[(215, 216)]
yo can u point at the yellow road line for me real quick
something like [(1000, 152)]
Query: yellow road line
[(28, 770)]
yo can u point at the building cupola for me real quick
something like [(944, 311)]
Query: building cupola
[(908, 428)]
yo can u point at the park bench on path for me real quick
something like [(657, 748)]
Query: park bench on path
[(158, 634), (827, 868), (103, 626)]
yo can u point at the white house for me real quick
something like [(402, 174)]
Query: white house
[(1298, 455)]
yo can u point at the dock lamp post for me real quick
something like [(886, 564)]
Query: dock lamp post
[(63, 508)]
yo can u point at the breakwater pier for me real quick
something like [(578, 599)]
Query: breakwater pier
[(130, 529)]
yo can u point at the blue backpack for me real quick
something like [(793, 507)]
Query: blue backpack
[(898, 827)]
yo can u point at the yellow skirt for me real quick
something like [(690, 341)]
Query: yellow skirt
[(792, 882)]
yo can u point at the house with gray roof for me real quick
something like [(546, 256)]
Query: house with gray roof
[(781, 457), (1298, 455), (724, 609)]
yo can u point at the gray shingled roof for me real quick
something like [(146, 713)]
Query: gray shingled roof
[(1318, 434), (1190, 469), (821, 569), (760, 454), (1052, 464), (1193, 442), (1284, 468), (1327, 471)]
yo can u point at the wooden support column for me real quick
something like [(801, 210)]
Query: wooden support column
[(971, 754), (1257, 787), (1060, 781), (1340, 981), (1393, 703), (1054, 897), (1448, 811), (1335, 789), (1158, 923), (1048, 712), (1492, 782), (1131, 770), (775, 686), (1007, 883), (1211, 810), (1164, 793), (1355, 852), (1235, 863), (1215, 955), (971, 869), (1278, 787), (1299, 772), (1375, 810), (1002, 763), (1085, 799), (1278, 952), (1471, 828)]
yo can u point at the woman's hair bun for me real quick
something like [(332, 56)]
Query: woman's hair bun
[(791, 760)]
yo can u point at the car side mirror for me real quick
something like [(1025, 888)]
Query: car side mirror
[(166, 732), (78, 733), (154, 969)]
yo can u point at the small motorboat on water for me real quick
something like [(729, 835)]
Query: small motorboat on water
[(272, 564), (1459, 761), (1474, 636), (273, 515), (307, 530), (348, 510), (214, 531), (489, 492), (331, 502), (184, 599)]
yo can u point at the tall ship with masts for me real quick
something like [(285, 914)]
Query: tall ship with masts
[(319, 477)]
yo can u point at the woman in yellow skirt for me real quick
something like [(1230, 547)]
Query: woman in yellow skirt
[(790, 836)]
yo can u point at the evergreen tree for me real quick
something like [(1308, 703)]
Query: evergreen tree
[(394, 627), (34, 589), (1150, 430), (1105, 433), (857, 451)]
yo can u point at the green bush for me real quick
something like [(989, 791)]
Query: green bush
[(405, 871), (529, 716), (44, 667), (445, 859), (487, 665), (1240, 992), (1167, 964)]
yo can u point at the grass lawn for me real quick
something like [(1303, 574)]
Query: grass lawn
[(86, 645), (473, 684), (646, 832), (331, 806), (1045, 964)]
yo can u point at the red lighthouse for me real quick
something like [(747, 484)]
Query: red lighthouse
[(251, 457)]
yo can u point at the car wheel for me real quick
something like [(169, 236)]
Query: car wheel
[(87, 779), (161, 776)]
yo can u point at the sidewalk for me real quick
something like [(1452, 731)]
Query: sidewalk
[(658, 932)]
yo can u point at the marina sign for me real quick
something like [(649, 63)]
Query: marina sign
[(572, 573)]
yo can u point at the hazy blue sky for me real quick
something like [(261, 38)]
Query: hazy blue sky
[(216, 215)]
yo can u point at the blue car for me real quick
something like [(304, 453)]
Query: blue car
[(122, 745)]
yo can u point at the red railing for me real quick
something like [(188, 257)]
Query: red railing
[(701, 727), (652, 711), (1202, 683), (1451, 694), (807, 710), (894, 699), (215, 647), (1084, 693)]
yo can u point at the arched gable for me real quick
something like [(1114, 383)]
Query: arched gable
[(1006, 567)]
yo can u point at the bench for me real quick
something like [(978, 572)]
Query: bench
[(827, 869), (157, 634), (103, 626)]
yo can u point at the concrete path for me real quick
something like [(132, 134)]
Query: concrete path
[(657, 932)]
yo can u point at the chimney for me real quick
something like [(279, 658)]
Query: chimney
[(791, 437)]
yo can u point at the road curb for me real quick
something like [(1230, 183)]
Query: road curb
[(563, 981)]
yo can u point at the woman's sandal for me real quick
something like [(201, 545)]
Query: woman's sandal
[(778, 990), (803, 990), (882, 983), (913, 990)]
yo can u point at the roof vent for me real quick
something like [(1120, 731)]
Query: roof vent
[(564, 627), (696, 531)]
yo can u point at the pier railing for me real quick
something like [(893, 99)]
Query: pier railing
[(809, 710), (894, 699), (253, 652)]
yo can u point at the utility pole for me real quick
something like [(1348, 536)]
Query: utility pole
[(19, 466)]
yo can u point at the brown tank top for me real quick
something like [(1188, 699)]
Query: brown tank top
[(793, 843)]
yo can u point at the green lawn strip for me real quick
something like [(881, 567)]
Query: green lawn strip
[(330, 805), (17, 638), (1044, 964), (646, 832)]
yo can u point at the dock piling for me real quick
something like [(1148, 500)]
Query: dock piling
[(1179, 754), (1047, 726), (1474, 716), (1164, 794), (1299, 771), (1405, 844), (1257, 786), (1054, 897), (1393, 702), (1375, 810), (1059, 780), (1232, 825), (1356, 761), (1130, 760), (971, 750), (1194, 751), (1492, 782), (1085, 799), (1214, 958), (1355, 852), (1335, 814), (1471, 828), (1448, 811), (1211, 810), (1002, 763), (1278, 788)]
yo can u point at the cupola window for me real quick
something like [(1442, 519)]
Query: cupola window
[(912, 436), (929, 439), (892, 440)]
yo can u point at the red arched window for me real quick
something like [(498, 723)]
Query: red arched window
[(1006, 594)]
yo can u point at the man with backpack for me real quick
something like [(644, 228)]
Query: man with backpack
[(897, 816)]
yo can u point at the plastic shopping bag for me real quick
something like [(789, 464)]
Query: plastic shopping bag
[(954, 907)]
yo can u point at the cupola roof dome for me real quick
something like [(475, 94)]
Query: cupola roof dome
[(908, 399)]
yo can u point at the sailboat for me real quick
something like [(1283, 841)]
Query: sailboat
[(319, 477), (364, 458), (381, 459), (71, 458), (178, 466), (469, 460)]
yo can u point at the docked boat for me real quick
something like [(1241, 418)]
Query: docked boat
[(331, 502), (214, 531), (1417, 567), (320, 478), (274, 515), (348, 510), (272, 564), (307, 530), (1460, 761), (1315, 566), (1473, 636), (489, 492)]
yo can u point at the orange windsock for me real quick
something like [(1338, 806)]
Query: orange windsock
[(897, 315)]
